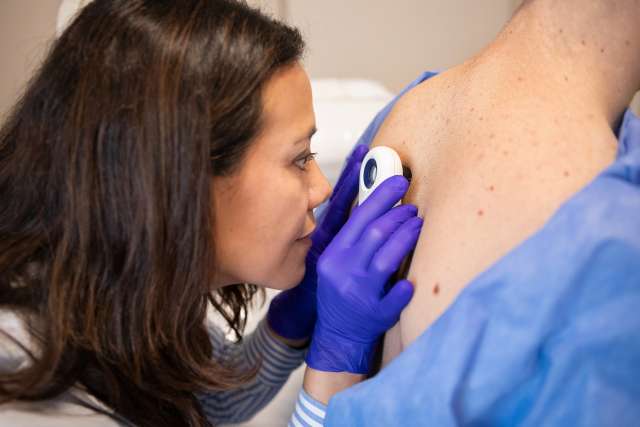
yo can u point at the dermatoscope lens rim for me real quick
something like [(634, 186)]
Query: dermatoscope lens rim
[(370, 173)]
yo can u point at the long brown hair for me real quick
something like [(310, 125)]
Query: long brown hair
[(106, 243)]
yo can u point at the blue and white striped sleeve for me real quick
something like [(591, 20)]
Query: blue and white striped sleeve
[(308, 413), (278, 361)]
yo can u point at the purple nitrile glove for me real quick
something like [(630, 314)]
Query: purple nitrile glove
[(353, 309), (292, 313)]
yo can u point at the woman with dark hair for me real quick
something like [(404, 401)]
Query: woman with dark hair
[(157, 166)]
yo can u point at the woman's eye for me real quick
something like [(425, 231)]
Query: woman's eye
[(302, 162)]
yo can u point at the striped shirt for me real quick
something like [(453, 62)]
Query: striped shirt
[(278, 361), (308, 413)]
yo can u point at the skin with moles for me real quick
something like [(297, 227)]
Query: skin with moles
[(497, 144)]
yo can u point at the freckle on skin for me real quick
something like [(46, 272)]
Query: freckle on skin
[(602, 50), (505, 152), (584, 43), (566, 174), (566, 78), (481, 118), (491, 188), (493, 135), (520, 79), (436, 288), (480, 212), (627, 43)]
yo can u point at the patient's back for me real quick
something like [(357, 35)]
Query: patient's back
[(493, 155)]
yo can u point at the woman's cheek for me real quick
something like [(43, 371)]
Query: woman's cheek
[(297, 198)]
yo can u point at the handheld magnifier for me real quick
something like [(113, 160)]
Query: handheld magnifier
[(379, 164)]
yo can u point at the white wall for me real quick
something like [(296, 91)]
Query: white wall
[(26, 27)]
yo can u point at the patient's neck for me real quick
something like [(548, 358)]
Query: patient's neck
[(585, 51)]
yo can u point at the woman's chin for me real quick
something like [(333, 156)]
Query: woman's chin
[(293, 279), (291, 271)]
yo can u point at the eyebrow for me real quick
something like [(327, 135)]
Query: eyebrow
[(307, 136)]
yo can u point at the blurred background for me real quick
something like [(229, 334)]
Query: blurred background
[(360, 53), (387, 42)]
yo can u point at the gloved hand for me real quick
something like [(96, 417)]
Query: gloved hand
[(292, 313), (353, 309)]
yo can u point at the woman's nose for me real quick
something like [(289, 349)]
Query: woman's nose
[(319, 187)]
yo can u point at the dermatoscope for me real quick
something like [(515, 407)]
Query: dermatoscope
[(379, 164)]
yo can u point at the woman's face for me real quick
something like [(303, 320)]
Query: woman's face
[(264, 211)]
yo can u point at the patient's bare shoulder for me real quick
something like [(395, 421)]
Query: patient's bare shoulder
[(490, 165)]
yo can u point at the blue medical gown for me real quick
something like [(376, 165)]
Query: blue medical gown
[(548, 336)]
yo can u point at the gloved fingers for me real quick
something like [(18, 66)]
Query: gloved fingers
[(389, 257), (379, 202), (354, 161), (392, 304), (337, 212), (376, 235), (338, 209)]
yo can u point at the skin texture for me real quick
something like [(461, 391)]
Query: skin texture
[(264, 211), (499, 142)]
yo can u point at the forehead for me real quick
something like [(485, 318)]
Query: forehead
[(287, 105)]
